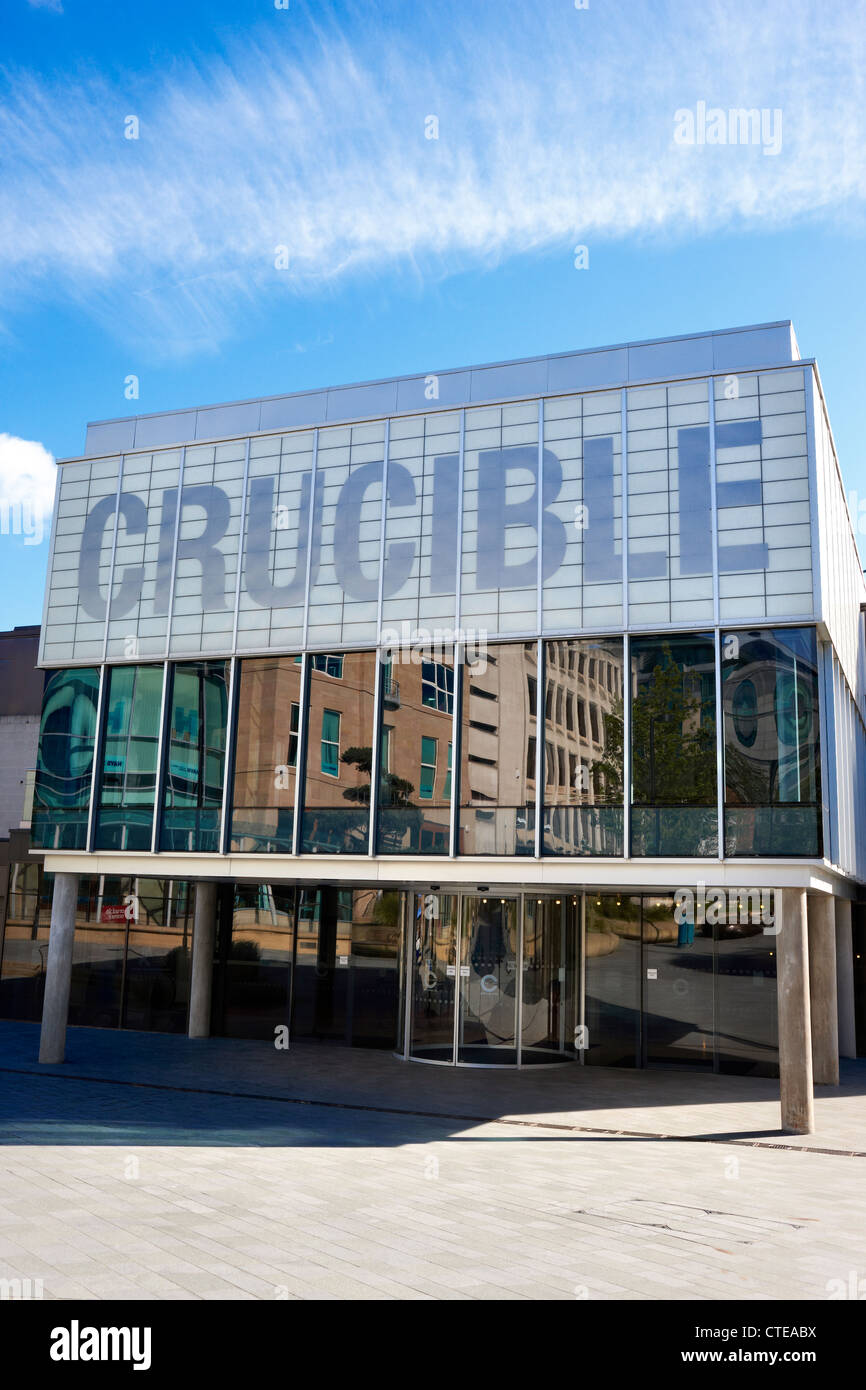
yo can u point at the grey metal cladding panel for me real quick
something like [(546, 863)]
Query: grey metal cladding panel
[(358, 402), (293, 412), (674, 358), (585, 371), (757, 347), (513, 379), (155, 431), (116, 436), (225, 420), (453, 389)]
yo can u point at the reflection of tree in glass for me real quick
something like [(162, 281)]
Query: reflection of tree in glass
[(673, 741)]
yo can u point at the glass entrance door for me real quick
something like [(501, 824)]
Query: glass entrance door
[(433, 977), (677, 988), (492, 981), (548, 997), (488, 981)]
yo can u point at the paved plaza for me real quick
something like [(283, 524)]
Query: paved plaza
[(228, 1170)]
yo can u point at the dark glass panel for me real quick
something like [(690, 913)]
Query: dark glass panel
[(678, 985), (612, 967), (583, 732), (158, 956), (747, 1037), (339, 756), (497, 786), (345, 984), (256, 959), (25, 945), (127, 790), (266, 750), (195, 758), (67, 737), (415, 774), (674, 780), (105, 905), (772, 733)]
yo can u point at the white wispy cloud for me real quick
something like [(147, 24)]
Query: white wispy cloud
[(555, 125), (28, 477)]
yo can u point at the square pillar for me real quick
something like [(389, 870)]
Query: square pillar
[(58, 974), (845, 980), (821, 916), (795, 1028), (201, 974)]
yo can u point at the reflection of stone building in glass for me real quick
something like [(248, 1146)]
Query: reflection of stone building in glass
[(583, 746)]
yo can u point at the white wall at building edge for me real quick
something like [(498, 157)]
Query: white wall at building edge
[(841, 591), (842, 588), (764, 526)]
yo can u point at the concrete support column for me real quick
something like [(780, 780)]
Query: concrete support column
[(795, 1029), (845, 979), (821, 916), (201, 975), (58, 974)]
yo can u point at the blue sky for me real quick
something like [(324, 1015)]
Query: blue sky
[(304, 127)]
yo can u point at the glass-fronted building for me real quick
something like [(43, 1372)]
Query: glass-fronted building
[(496, 716)]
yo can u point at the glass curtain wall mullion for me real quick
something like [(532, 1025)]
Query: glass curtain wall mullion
[(456, 752), (231, 740), (831, 816), (382, 533), (521, 932), (314, 479), (242, 541), (626, 745), (113, 557), (301, 759), (174, 548), (376, 751), (623, 409), (540, 743), (98, 744), (458, 578), (159, 792), (720, 740), (540, 722)]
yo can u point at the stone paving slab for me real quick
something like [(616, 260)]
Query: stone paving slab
[(624, 1101), (350, 1205), (169, 1188)]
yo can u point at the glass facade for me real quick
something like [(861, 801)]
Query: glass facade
[(673, 746), (339, 764), (458, 751), (131, 954), (470, 978), (266, 755), (415, 762), (64, 769), (509, 518), (500, 729), (128, 768), (583, 747), (684, 984), (772, 766), (195, 757)]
